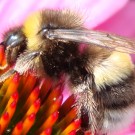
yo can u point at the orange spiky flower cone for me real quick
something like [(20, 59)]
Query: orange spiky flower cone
[(29, 108)]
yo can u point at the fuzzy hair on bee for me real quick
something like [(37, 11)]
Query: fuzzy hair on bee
[(97, 65)]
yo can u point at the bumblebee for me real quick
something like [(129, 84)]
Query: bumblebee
[(96, 65)]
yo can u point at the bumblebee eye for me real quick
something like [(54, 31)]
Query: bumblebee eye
[(14, 38)]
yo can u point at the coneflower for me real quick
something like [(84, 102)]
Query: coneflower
[(29, 106)]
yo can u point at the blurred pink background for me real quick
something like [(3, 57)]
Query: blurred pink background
[(115, 16)]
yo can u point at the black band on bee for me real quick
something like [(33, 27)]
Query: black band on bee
[(58, 20), (65, 59), (120, 95)]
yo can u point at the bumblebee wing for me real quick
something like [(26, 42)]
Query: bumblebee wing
[(97, 38)]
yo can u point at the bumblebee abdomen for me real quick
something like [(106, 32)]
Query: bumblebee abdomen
[(115, 79), (115, 83), (113, 70)]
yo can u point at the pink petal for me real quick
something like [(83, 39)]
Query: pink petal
[(122, 23), (101, 10)]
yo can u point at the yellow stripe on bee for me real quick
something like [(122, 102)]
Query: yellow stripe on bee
[(113, 70), (32, 25)]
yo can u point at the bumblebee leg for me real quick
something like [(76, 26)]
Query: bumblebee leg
[(26, 61), (88, 104), (7, 74), (88, 111), (30, 61)]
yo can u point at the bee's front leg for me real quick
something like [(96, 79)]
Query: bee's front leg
[(88, 106), (26, 62)]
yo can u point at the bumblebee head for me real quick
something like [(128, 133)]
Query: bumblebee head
[(14, 42)]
